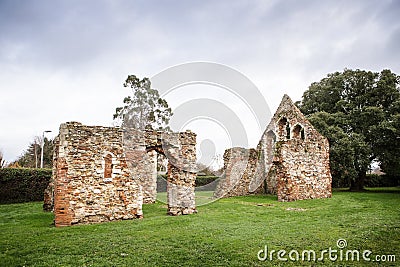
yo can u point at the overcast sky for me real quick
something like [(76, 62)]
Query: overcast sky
[(66, 60)]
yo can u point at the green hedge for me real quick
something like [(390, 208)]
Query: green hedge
[(22, 184), (200, 181), (374, 180), (204, 180)]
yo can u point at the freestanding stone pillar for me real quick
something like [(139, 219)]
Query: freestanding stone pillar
[(180, 149)]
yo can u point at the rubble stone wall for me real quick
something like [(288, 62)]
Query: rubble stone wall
[(106, 173), (240, 166), (300, 156), (48, 203), (291, 157), (85, 192), (180, 150)]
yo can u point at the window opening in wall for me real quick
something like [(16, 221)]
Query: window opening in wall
[(284, 128), (287, 131), (298, 132), (108, 166)]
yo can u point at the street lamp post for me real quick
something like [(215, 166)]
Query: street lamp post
[(41, 157)]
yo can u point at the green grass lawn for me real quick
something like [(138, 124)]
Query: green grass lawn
[(226, 232), (202, 197)]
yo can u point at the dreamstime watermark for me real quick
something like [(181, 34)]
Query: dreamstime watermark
[(338, 253), (220, 104)]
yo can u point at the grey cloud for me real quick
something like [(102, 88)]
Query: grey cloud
[(62, 48)]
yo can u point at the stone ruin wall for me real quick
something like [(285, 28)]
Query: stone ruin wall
[(240, 166), (48, 202), (92, 182), (181, 174), (95, 179), (300, 167), (141, 162), (180, 150), (291, 160)]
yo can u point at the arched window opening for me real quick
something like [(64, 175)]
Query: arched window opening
[(298, 132), (108, 166), (284, 128), (287, 131)]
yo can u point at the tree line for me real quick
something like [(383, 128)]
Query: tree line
[(31, 157), (357, 110)]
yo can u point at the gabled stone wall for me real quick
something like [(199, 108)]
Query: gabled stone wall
[(300, 157), (291, 157)]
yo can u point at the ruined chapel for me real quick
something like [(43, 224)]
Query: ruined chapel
[(106, 173)]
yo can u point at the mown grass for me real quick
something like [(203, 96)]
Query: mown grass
[(226, 232), (202, 197)]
